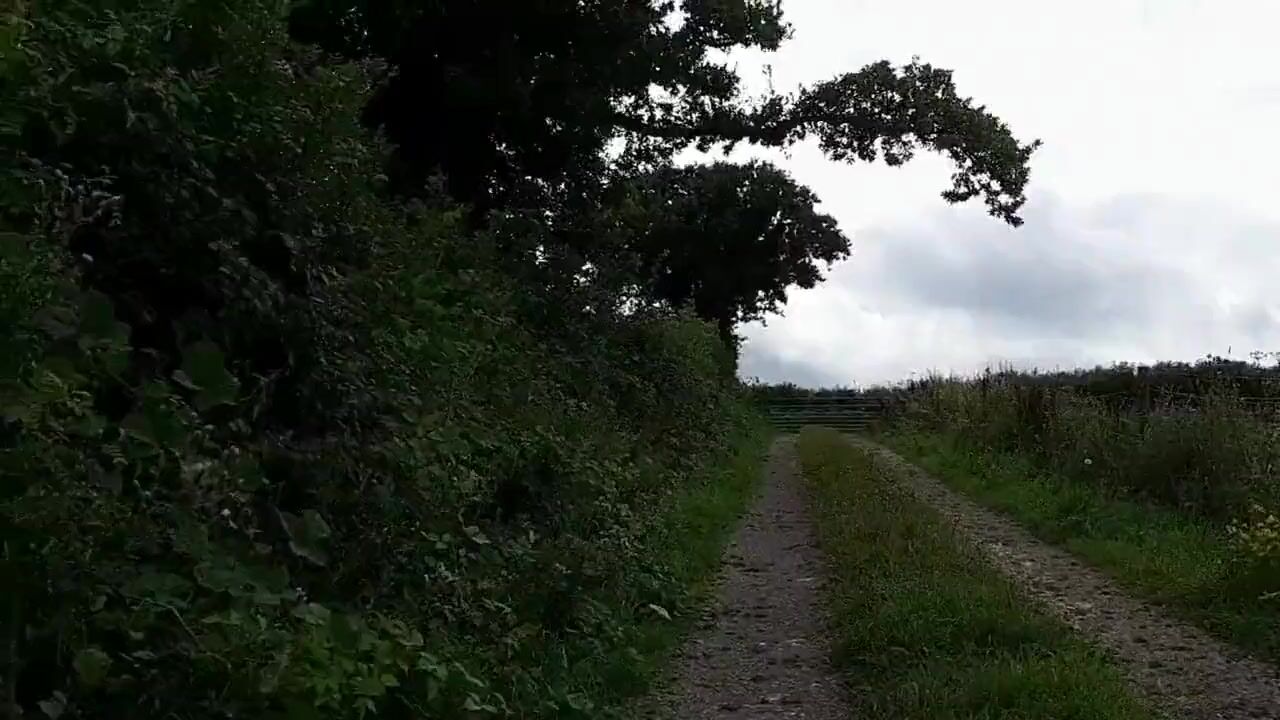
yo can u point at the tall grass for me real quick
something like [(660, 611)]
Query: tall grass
[(1173, 493), (1211, 454)]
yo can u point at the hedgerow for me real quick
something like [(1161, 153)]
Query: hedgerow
[(273, 444)]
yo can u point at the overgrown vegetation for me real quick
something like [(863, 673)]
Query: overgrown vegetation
[(1188, 563), (1174, 493), (301, 421), (1208, 452), (928, 628)]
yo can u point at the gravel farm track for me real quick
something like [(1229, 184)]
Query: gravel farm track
[(762, 650)]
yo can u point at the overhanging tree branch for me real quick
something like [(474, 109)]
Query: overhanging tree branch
[(876, 113)]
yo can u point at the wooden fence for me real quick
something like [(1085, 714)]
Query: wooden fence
[(845, 413)]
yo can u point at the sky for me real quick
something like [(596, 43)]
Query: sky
[(1152, 228)]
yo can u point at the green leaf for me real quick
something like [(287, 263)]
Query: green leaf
[(270, 584), (156, 424), (54, 706), (264, 585), (136, 424), (92, 665), (162, 587), (98, 318), (313, 614), (221, 575), (109, 481), (346, 631), (468, 677), (14, 246), (191, 537), (300, 710), (204, 370), (56, 321), (659, 611), (245, 470), (476, 535), (90, 425), (370, 686), (63, 368), (475, 704), (115, 359), (18, 403), (307, 535)]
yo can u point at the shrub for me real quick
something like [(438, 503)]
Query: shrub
[(275, 446)]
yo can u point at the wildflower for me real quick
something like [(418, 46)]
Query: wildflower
[(1088, 461)]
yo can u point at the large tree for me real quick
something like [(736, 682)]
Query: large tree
[(729, 240), (515, 102)]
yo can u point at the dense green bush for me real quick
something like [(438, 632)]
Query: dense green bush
[(274, 446)]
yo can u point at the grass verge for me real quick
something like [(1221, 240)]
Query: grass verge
[(1172, 558), (925, 625)]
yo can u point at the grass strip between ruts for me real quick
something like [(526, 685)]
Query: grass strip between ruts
[(924, 627), (1164, 555)]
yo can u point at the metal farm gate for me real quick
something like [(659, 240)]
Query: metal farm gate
[(846, 413)]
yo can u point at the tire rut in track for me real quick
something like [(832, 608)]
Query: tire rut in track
[(1178, 666)]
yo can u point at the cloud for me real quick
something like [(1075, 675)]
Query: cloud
[(1055, 280), (768, 366), (1153, 229), (1142, 278)]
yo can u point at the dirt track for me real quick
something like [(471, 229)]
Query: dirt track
[(762, 652), (1179, 667)]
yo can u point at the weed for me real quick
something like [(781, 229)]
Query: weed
[(1209, 453)]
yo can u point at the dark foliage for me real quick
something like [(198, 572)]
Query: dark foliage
[(1131, 387), (1180, 434), (272, 446), (275, 443), (729, 240), (501, 95), (515, 102)]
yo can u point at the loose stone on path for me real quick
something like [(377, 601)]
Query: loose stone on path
[(763, 650)]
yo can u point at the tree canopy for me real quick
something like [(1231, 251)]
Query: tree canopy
[(507, 99), (559, 112), (730, 239), (278, 440)]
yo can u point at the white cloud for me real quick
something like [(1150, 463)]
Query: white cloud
[(1139, 278), (1153, 228)]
